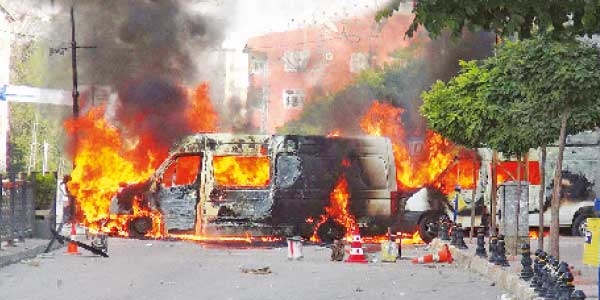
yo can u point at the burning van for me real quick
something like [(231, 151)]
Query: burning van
[(226, 185)]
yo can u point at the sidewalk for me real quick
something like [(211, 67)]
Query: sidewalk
[(571, 251), (24, 250)]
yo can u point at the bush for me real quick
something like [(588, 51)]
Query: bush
[(45, 191)]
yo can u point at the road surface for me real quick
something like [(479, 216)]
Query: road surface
[(140, 269)]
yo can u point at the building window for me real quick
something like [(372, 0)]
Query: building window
[(359, 62), (257, 65), (293, 98), (256, 97), (295, 61)]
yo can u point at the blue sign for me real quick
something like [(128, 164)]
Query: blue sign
[(597, 205), (3, 92)]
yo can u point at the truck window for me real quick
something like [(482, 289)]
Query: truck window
[(507, 171), (242, 171), (182, 171)]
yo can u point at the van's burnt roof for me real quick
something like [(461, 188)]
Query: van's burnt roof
[(255, 144)]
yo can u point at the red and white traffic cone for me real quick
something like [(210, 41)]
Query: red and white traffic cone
[(72, 247), (356, 250), (443, 255), (425, 259)]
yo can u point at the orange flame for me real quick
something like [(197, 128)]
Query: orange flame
[(407, 238), (105, 157), (242, 171), (334, 133), (337, 209), (534, 234), (418, 162)]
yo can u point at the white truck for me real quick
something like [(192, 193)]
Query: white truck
[(581, 170)]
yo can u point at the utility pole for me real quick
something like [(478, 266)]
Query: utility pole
[(74, 47), (74, 66)]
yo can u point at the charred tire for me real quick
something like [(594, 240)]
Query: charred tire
[(330, 231), (579, 225), (426, 219), (139, 227)]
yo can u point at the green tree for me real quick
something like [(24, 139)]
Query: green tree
[(551, 90), (507, 18), (461, 112), (513, 98)]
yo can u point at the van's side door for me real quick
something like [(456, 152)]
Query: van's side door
[(178, 191)]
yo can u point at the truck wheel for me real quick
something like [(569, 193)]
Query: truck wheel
[(426, 219), (330, 231), (579, 225), (139, 227)]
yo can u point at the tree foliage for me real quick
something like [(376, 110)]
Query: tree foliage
[(459, 109), (507, 18), (538, 79), (514, 101)]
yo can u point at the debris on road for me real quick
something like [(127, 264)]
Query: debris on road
[(258, 271), (61, 239), (337, 250), (31, 262)]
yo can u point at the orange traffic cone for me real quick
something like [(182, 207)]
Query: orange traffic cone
[(425, 259), (72, 247), (356, 251), (443, 255)]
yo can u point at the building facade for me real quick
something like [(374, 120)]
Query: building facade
[(288, 70)]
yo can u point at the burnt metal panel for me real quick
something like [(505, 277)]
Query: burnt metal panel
[(178, 206)]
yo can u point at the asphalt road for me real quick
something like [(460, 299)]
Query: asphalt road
[(182, 270)]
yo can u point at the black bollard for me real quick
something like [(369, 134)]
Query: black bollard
[(570, 286), (501, 253), (536, 268), (493, 249), (578, 295), (527, 271), (548, 276), (460, 234), (480, 250), (453, 236), (559, 284), (565, 287), (445, 228), (542, 272)]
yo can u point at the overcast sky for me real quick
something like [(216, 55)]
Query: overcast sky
[(255, 17)]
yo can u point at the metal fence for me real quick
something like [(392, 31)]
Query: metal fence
[(17, 209)]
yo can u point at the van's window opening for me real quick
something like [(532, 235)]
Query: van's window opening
[(182, 171), (242, 171)]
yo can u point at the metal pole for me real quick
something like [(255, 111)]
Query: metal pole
[(74, 66)]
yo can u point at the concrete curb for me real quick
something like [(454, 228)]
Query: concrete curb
[(6, 260), (506, 280)]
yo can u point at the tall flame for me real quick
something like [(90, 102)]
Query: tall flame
[(418, 163), (108, 155), (338, 209)]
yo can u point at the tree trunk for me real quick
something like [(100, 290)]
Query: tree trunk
[(493, 191), (473, 195), (541, 199), (554, 211)]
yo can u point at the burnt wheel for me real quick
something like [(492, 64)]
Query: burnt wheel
[(139, 227), (427, 218), (330, 231), (579, 225)]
